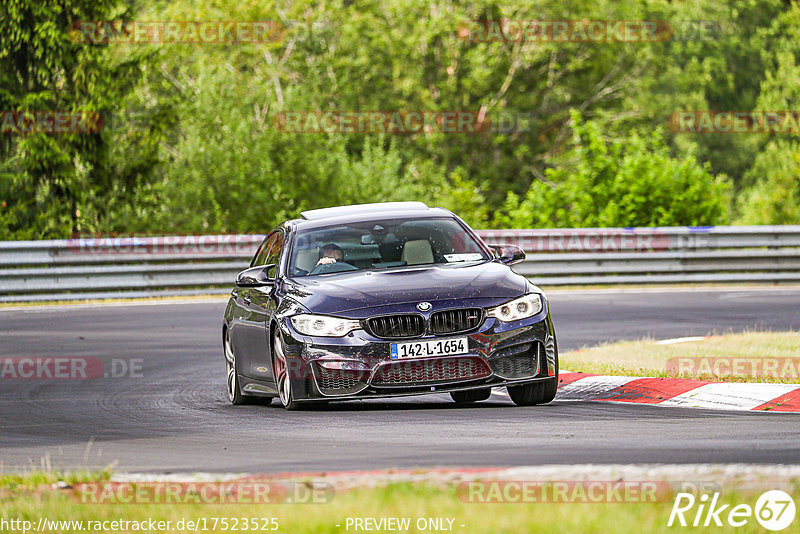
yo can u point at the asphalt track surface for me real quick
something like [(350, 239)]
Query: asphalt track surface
[(174, 415)]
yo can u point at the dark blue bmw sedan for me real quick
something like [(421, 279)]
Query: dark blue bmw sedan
[(382, 300)]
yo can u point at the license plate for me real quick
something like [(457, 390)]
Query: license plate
[(428, 349)]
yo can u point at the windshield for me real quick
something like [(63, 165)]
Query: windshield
[(382, 244)]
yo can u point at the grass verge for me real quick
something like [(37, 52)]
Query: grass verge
[(744, 357), (31, 498)]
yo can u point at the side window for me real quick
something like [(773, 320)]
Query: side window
[(263, 251), (274, 255)]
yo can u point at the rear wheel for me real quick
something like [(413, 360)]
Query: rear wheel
[(474, 395), (234, 391)]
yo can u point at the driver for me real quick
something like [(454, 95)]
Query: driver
[(330, 253)]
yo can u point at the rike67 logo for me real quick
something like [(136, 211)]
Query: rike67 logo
[(774, 510)]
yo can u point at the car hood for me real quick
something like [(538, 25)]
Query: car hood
[(366, 289)]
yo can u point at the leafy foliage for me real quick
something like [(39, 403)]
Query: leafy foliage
[(632, 182), (204, 154), (774, 197), (52, 184)]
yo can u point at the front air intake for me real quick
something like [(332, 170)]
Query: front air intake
[(456, 321), (396, 326)]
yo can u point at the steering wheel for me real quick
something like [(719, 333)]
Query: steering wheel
[(328, 268)]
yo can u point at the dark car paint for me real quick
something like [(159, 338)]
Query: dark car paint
[(253, 308), (254, 314), (329, 294)]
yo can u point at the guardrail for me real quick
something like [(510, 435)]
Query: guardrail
[(184, 265), (763, 254)]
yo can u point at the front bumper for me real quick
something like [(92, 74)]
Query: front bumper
[(360, 366)]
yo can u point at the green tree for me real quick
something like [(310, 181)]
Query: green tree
[(52, 184), (771, 186), (210, 159), (774, 197), (629, 182)]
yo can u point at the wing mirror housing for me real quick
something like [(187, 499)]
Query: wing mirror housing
[(255, 276), (508, 254)]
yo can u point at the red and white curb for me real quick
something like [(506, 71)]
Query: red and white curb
[(680, 392)]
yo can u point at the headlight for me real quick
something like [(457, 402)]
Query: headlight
[(517, 309), (323, 325)]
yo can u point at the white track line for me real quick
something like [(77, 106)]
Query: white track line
[(592, 386), (730, 396), (680, 340)]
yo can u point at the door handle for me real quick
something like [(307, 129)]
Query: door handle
[(246, 300)]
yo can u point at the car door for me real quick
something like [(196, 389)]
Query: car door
[(240, 314), (257, 305)]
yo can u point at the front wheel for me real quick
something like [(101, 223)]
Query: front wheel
[(535, 393), (282, 379)]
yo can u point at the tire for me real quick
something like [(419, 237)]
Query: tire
[(235, 395), (282, 379), (535, 393), (474, 395), (532, 394)]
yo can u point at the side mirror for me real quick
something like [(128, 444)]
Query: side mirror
[(508, 254), (255, 276)]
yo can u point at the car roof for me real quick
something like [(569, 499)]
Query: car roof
[(384, 211), (359, 209)]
